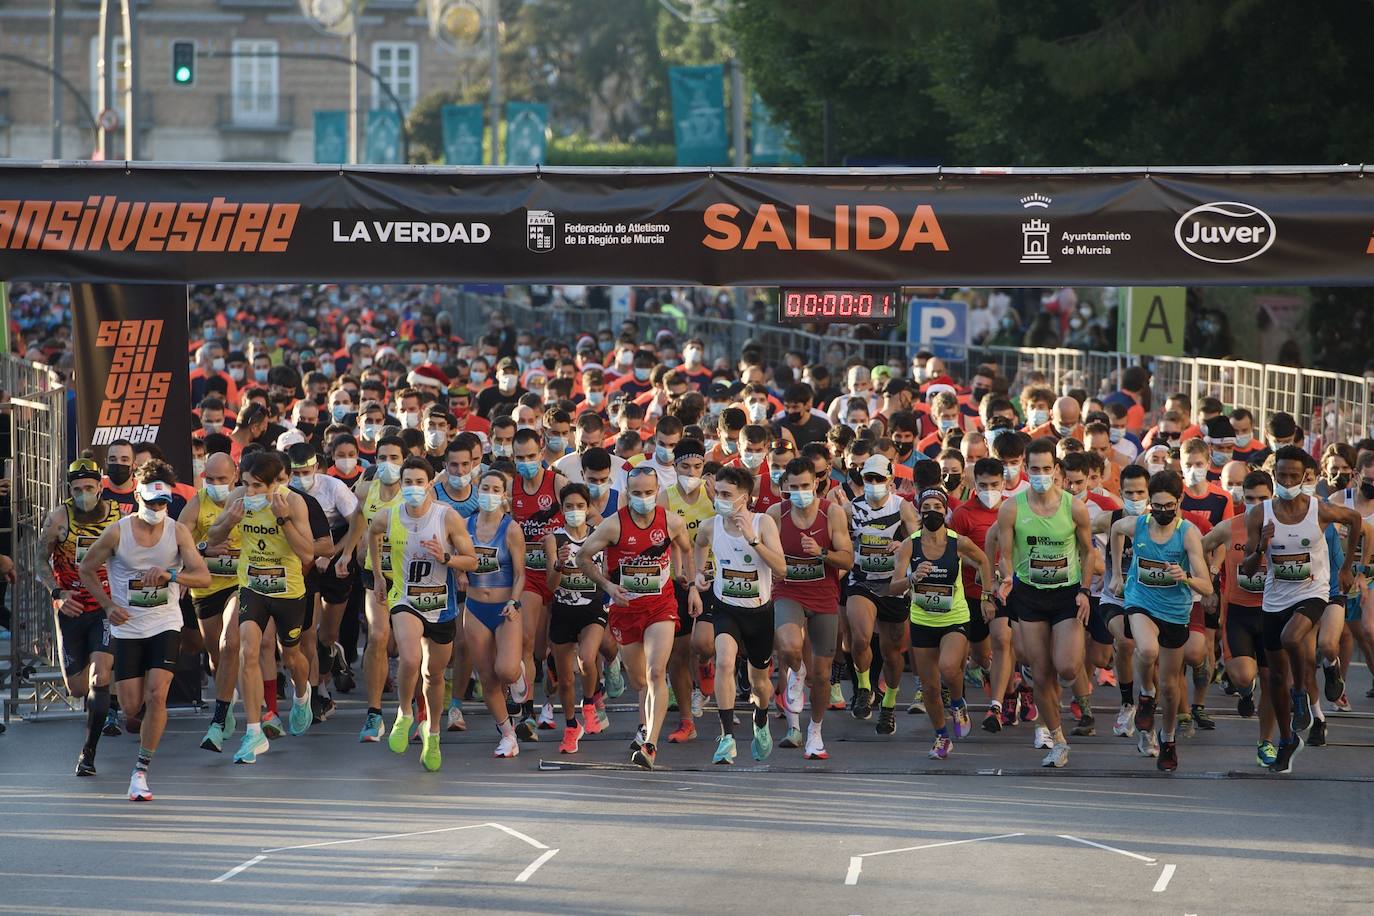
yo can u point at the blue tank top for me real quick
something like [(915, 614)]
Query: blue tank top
[(1337, 551), (1148, 586), (493, 558), (467, 508)]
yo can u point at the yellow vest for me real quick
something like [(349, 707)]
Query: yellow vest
[(267, 564), (224, 568)]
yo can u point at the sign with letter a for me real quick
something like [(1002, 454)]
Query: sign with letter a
[(1154, 321)]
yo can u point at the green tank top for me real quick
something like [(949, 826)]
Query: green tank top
[(938, 599), (1046, 549)]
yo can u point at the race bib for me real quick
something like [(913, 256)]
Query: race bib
[(641, 578), (267, 580), (1292, 567), (427, 597), (140, 597), (226, 564), (487, 561), (739, 583), (575, 581), (1048, 570), (535, 558), (936, 599), (805, 569), (874, 558), (1252, 584), (386, 554), (83, 544), (1154, 574)]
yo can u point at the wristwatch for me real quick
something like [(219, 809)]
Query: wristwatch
[(752, 543), (447, 557), (202, 547), (56, 592), (281, 520)]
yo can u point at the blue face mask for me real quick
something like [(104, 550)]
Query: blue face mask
[(527, 469), (642, 374), (459, 480), (875, 492), (557, 444), (663, 454), (255, 503), (500, 450), (219, 492), (598, 490), (416, 358), (802, 498), (1041, 483), (775, 475), (489, 502), (388, 473), (260, 375), (523, 351), (642, 505), (1286, 493), (724, 506), (338, 412), (413, 496)]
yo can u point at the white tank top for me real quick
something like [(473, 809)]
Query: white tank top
[(151, 610), (419, 582), (1299, 565), (742, 579)]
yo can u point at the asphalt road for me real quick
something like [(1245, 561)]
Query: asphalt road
[(324, 825)]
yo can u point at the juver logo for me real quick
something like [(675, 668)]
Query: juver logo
[(1225, 232)]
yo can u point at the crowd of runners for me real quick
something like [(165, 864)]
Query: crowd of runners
[(540, 525)]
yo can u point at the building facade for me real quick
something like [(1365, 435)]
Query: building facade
[(239, 109)]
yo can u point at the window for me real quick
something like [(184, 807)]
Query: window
[(395, 63), (120, 76), (254, 82)]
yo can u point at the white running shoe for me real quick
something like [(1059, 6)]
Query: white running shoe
[(698, 702), (1125, 722), (1043, 738), (456, 722), (520, 690), (138, 787), (508, 747), (1057, 757), (1147, 744), (815, 747), (796, 690), (641, 735), (545, 719)]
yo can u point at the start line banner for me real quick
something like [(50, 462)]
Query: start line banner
[(147, 223)]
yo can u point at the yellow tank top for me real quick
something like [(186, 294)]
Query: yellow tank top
[(267, 564), (371, 506), (224, 568), (692, 515)]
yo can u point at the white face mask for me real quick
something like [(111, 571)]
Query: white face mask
[(346, 466), (435, 438), (689, 484), (152, 515), (989, 498), (1194, 477)]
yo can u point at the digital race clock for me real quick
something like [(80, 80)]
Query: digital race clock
[(849, 305)]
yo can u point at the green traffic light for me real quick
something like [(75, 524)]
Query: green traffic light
[(183, 74)]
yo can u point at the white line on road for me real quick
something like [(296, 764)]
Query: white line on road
[(1065, 836), (238, 868), (856, 864), (397, 836), (534, 866), (977, 839), (517, 834), (1164, 877)]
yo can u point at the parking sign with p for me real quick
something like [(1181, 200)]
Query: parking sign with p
[(938, 325)]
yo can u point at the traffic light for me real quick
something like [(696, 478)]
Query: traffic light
[(183, 63)]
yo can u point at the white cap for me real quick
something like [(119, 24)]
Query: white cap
[(877, 464), (933, 390)]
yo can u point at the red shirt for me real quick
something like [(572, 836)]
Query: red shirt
[(1212, 507), (538, 515), (639, 561), (973, 520), (808, 581)]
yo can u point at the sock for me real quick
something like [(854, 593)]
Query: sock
[(760, 716), (269, 695), (255, 729), (1127, 692), (1247, 690), (506, 727), (1317, 709), (571, 721), (994, 705), (1145, 697), (1085, 704), (727, 721), (942, 731), (221, 712), (862, 678), (651, 747), (97, 707), (527, 709), (958, 704), (1166, 737), (431, 730), (793, 720), (1202, 676), (145, 757), (890, 698), (1058, 735), (303, 700), (374, 710), (1331, 662)]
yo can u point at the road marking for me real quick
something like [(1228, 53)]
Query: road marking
[(534, 866), (977, 839), (856, 864), (238, 868), (517, 834), (1147, 859), (397, 836), (1164, 877)]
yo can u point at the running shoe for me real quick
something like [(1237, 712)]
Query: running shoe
[(250, 748), (430, 758), (1124, 726), (603, 721), (836, 697), (686, 731), (793, 738), (1087, 725), (1029, 713), (706, 677), (641, 735), (415, 733), (111, 727), (1187, 728), (546, 721), (1335, 684), (1168, 756), (645, 756), (373, 727), (1058, 757), (229, 722), (1011, 709), (1266, 753), (1283, 761), (85, 764), (962, 725), (592, 724), (327, 708), (508, 746), (456, 720), (1145, 714), (300, 718), (672, 699), (571, 735), (1204, 721), (615, 679), (698, 702), (400, 734), (863, 703), (918, 704), (1075, 709), (214, 738), (138, 787), (762, 745), (272, 726), (975, 676), (1043, 738), (1302, 713), (527, 730), (815, 747), (796, 690), (1245, 706), (1343, 704), (1316, 736), (1106, 677), (725, 751), (1147, 743), (1226, 686), (992, 722), (887, 720), (942, 748)]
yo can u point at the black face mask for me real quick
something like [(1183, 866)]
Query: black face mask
[(119, 474), (1340, 481), (932, 520), (1367, 489), (794, 418), (953, 482), (904, 448), (1163, 517), (977, 394), (306, 429)]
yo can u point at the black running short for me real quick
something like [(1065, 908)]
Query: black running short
[(566, 622), (188, 611), (333, 589), (1274, 622), (1097, 623), (924, 637), (1244, 634), (977, 628), (81, 637), (891, 608), (1110, 611), (289, 613), (441, 634), (750, 628), (208, 606), (136, 657), (685, 621), (1043, 605), (1171, 635)]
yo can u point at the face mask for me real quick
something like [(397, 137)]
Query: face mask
[(932, 520), (1116, 434), (989, 498), (338, 412), (364, 362), (594, 398), (346, 466), (641, 505), (948, 423), (688, 484), (85, 502), (303, 483), (489, 502), (1367, 489), (523, 351), (434, 438), (218, 492), (724, 506), (1340, 481), (556, 444), (729, 446), (692, 355), (417, 358), (477, 376), (500, 450), (370, 431), (775, 475), (414, 496), (1194, 477), (1038, 417), (198, 466), (1163, 517), (351, 338), (1041, 483), (1286, 493), (953, 481), (255, 503), (1063, 430), (410, 420), (1219, 458), (388, 473), (1011, 474), (802, 498), (506, 383), (598, 490), (119, 474), (642, 374), (152, 515), (217, 364), (1154, 468), (758, 412), (875, 492), (1308, 489), (606, 345), (1243, 439), (236, 373), (260, 375), (306, 428), (903, 448), (1136, 506), (575, 518), (663, 455), (527, 469), (751, 460)]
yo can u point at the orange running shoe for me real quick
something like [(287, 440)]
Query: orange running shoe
[(571, 735), (592, 725), (685, 732)]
